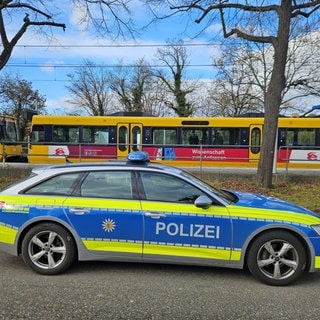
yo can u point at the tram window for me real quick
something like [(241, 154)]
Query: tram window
[(292, 138), (192, 136), (164, 136), (37, 134), (217, 138), (96, 135), (123, 138), (244, 136), (226, 136), (11, 131), (204, 140), (136, 138), (2, 133), (255, 140), (282, 133), (66, 134), (301, 137)]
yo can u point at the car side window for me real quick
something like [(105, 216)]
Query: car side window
[(62, 184), (162, 187), (107, 184)]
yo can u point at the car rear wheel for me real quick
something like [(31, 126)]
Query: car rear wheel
[(48, 249), (276, 258)]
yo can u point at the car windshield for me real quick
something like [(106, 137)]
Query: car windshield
[(220, 193)]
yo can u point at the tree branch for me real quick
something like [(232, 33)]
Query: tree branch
[(9, 45), (222, 5), (297, 10), (3, 34), (26, 6), (241, 34)]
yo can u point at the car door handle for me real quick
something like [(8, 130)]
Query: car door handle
[(154, 215), (79, 211)]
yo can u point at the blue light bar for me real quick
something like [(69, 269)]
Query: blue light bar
[(317, 107), (138, 156)]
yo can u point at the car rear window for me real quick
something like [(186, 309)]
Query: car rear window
[(31, 175), (58, 185)]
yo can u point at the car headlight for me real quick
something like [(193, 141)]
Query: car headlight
[(316, 228)]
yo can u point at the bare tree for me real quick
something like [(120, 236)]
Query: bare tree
[(126, 88), (175, 58), (131, 84), (17, 95), (234, 92), (156, 98), (35, 15), (270, 24), (244, 73), (112, 18), (302, 74), (204, 105), (107, 18), (90, 89)]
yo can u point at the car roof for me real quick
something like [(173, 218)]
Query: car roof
[(116, 164), (43, 172)]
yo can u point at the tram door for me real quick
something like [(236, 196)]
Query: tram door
[(129, 138), (255, 141)]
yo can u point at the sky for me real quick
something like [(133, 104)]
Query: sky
[(47, 64)]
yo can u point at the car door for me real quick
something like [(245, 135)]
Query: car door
[(106, 215), (175, 229)]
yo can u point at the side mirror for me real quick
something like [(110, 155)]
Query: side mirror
[(203, 202)]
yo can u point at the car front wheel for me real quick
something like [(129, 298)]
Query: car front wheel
[(48, 249), (276, 258)]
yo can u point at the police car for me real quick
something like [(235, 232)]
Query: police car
[(140, 211)]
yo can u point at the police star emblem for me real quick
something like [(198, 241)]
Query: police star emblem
[(108, 225)]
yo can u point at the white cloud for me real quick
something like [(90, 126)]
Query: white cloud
[(59, 106), (78, 17), (213, 29), (49, 66)]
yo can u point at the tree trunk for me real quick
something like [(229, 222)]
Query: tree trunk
[(273, 96)]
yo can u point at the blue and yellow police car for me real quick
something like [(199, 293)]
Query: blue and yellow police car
[(140, 211)]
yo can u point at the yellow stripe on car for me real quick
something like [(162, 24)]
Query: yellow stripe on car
[(317, 262), (246, 213), (187, 251), (232, 211), (181, 208), (115, 246), (167, 249), (7, 234)]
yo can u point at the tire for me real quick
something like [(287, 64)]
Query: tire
[(276, 258), (48, 249)]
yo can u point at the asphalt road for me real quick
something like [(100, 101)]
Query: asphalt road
[(100, 290)]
